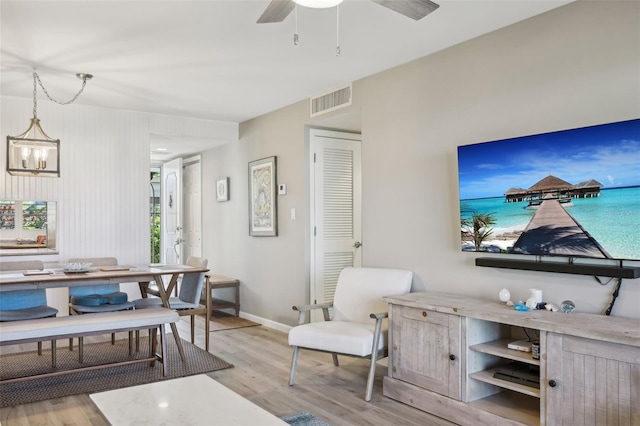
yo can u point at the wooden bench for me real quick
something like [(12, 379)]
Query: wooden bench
[(18, 332)]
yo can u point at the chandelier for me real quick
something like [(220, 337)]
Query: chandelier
[(33, 152)]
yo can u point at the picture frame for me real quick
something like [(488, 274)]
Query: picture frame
[(263, 203), (222, 189)]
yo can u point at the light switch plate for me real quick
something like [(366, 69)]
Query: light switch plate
[(282, 189)]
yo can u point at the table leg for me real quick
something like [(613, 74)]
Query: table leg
[(165, 303), (207, 284)]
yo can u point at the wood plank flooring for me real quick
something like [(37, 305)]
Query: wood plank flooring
[(261, 357)]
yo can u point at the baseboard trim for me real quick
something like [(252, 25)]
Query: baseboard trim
[(267, 323)]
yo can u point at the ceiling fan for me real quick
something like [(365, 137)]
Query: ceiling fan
[(278, 10)]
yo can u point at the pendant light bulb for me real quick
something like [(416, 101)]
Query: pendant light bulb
[(318, 4)]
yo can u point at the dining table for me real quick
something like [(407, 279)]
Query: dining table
[(166, 278)]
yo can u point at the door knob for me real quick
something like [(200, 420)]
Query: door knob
[(357, 244)]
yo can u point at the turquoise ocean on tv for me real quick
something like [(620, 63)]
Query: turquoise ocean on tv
[(613, 219)]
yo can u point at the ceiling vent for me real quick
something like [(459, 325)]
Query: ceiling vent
[(330, 101), (160, 153)]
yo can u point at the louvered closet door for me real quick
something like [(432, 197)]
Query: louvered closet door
[(336, 233)]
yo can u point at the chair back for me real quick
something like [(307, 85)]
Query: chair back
[(192, 282), (22, 265), (106, 288), (359, 292), (22, 299)]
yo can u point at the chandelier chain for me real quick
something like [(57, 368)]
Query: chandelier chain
[(36, 76), (35, 99)]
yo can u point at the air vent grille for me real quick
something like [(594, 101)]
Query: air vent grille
[(330, 101)]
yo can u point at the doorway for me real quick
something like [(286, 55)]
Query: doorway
[(335, 210), (175, 210)]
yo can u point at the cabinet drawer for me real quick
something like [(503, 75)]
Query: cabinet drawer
[(422, 315)]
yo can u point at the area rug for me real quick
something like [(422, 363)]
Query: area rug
[(25, 363), (303, 419), (222, 321)]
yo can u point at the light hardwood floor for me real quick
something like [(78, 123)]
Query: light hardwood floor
[(261, 358)]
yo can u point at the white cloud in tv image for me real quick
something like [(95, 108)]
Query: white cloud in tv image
[(569, 193)]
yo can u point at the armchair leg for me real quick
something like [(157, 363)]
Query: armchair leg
[(374, 358), (294, 364), (372, 376)]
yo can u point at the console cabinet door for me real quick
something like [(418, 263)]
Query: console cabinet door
[(426, 349), (590, 382)]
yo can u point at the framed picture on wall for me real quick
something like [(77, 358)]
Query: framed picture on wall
[(222, 189), (263, 212)]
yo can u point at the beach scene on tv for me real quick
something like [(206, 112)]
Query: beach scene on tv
[(573, 193)]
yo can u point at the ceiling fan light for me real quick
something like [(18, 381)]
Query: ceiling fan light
[(318, 4)]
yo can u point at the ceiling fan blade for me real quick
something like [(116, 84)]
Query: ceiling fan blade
[(414, 9), (276, 11)]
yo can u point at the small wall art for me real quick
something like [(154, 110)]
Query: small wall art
[(222, 189)]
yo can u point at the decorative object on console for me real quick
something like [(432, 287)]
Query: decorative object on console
[(504, 295), (33, 152), (567, 306)]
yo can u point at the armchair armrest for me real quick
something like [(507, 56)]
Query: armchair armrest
[(379, 316), (303, 309)]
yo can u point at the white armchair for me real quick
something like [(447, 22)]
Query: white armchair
[(352, 330)]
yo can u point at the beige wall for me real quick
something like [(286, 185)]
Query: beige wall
[(576, 66)]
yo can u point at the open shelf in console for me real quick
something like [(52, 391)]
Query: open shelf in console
[(486, 376), (499, 348), (511, 405)]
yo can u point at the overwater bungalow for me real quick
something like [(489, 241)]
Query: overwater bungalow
[(552, 187)]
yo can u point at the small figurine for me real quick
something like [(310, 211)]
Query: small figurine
[(504, 295)]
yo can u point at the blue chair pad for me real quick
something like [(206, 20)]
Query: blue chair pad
[(30, 313), (84, 309), (116, 298), (88, 300)]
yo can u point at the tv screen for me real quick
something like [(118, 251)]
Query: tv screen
[(573, 193)]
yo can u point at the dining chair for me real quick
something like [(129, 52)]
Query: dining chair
[(349, 329), (189, 294), (26, 304), (99, 297)]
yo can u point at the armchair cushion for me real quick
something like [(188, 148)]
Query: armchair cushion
[(352, 338), (359, 292)]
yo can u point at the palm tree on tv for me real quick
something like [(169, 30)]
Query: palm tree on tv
[(477, 228)]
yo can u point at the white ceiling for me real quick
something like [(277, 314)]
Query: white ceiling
[(210, 60)]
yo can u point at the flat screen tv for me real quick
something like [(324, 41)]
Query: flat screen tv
[(572, 193)]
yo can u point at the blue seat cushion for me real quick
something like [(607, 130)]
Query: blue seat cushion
[(29, 313), (88, 300), (84, 309), (116, 298)]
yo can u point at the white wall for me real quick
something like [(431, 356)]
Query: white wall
[(572, 67)]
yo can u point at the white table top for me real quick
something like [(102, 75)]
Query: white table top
[(194, 400)]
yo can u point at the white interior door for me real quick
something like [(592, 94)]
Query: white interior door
[(171, 213), (192, 207), (336, 198)]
